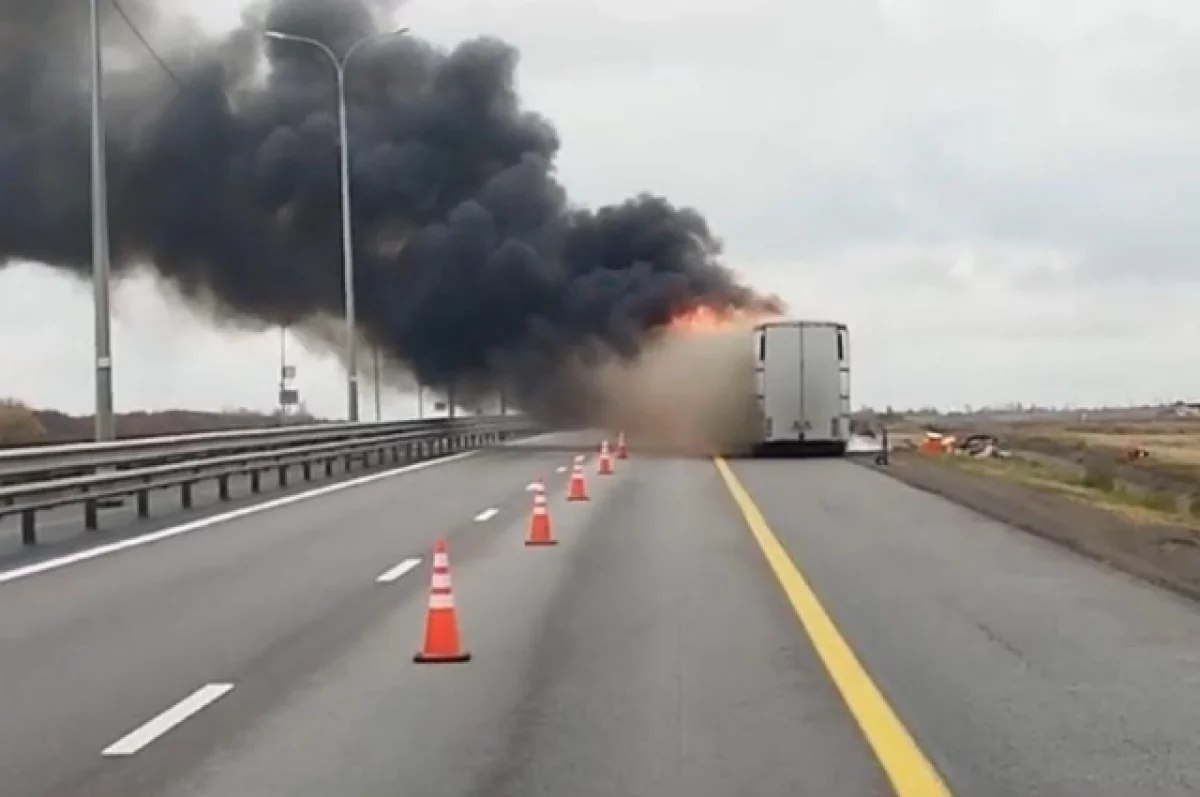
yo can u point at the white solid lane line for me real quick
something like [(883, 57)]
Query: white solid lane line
[(195, 525), (399, 570), (486, 515), (139, 738)]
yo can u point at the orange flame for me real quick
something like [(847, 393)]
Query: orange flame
[(710, 319)]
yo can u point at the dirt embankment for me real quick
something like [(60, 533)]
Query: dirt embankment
[(1165, 555)]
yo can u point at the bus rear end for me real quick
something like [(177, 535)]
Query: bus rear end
[(802, 387)]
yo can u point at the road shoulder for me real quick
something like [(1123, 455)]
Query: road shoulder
[(1163, 555)]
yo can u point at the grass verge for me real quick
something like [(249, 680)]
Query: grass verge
[(1095, 487)]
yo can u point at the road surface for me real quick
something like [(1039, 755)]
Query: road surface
[(760, 628)]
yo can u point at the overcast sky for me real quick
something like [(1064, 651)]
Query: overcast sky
[(1001, 197)]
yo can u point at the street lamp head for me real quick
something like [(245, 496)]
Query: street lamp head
[(278, 36)]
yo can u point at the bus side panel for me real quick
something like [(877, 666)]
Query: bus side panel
[(844, 380), (783, 419), (759, 430), (821, 382)]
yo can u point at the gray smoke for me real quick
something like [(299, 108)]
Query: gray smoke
[(473, 267)]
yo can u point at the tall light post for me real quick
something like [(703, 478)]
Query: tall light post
[(375, 384), (100, 266), (339, 66)]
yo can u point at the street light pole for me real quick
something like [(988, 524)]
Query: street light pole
[(100, 266), (375, 382), (339, 68), (347, 246)]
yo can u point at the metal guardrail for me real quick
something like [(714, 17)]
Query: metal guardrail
[(19, 463), (38, 478)]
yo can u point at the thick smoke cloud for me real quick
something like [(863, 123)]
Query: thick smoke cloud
[(473, 267)]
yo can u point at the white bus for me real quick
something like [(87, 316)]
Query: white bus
[(802, 387)]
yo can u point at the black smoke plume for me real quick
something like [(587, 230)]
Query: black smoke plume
[(473, 268)]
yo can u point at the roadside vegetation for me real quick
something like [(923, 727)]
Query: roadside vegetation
[(1096, 484), (19, 425), (22, 425)]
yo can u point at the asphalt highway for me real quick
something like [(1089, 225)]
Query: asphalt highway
[(711, 629)]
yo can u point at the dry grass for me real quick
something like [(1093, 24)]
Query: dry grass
[(18, 424), (1167, 446), (1143, 508), (1173, 444), (1172, 439)]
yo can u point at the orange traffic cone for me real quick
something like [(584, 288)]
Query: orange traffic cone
[(577, 488), (539, 523), (441, 623), (622, 451), (606, 465)]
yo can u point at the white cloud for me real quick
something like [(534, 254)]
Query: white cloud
[(165, 355), (985, 326)]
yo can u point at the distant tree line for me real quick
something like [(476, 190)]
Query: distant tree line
[(22, 425)]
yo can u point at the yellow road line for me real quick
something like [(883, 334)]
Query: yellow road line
[(911, 773)]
